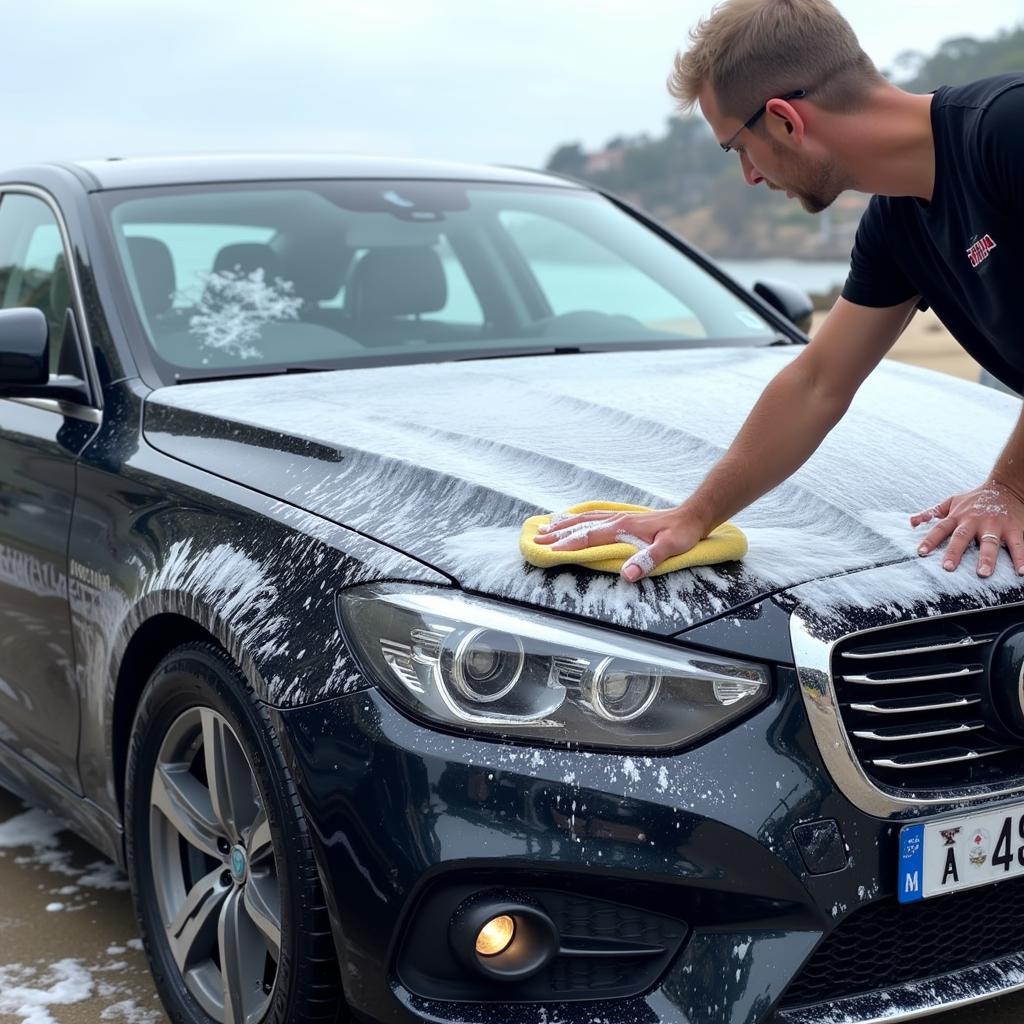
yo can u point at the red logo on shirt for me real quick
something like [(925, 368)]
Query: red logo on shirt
[(979, 251)]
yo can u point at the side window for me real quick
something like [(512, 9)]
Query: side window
[(33, 271)]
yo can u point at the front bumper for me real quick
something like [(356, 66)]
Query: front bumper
[(705, 836), (912, 1001)]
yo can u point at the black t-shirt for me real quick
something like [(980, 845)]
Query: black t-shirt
[(962, 253)]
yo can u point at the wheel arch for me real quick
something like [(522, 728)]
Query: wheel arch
[(151, 642)]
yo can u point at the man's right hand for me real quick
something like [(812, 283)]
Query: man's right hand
[(658, 535), (803, 402)]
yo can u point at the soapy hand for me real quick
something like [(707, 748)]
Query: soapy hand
[(657, 535), (992, 514)]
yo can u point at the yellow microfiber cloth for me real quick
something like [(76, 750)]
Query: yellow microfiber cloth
[(725, 543)]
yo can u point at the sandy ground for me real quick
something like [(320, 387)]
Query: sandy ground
[(69, 950), (927, 343), (68, 946)]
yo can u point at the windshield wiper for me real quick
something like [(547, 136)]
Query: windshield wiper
[(514, 353), (278, 371)]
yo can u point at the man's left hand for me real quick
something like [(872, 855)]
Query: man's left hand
[(991, 514)]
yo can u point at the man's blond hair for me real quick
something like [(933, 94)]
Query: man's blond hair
[(753, 50)]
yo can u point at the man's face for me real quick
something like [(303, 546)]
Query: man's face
[(771, 153)]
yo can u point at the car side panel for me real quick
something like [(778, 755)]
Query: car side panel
[(155, 536), (38, 699)]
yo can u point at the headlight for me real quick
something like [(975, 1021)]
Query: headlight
[(483, 666)]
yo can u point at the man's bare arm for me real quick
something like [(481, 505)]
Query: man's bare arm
[(787, 424), (798, 409), (1009, 467)]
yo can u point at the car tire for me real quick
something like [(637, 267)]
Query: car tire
[(223, 873)]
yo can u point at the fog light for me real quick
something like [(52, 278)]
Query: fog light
[(496, 936), (502, 938)]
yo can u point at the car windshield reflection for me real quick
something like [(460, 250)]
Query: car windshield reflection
[(245, 279)]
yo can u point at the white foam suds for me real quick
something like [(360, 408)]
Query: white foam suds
[(129, 1012), (34, 828), (581, 532), (232, 307), (28, 994), (916, 583), (115, 983), (990, 501), (454, 464), (34, 837), (33, 993)]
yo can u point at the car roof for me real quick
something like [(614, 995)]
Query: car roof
[(141, 172)]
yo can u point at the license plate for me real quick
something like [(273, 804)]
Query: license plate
[(960, 853)]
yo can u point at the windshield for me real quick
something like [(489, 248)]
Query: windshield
[(245, 277)]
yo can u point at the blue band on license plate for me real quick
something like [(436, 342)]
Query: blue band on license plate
[(911, 886)]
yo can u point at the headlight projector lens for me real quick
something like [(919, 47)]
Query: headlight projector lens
[(619, 693), (487, 664)]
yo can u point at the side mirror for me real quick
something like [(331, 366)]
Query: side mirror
[(792, 302), (24, 348), (25, 358)]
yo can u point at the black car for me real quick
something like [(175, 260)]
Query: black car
[(269, 430)]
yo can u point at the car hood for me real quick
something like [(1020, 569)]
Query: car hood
[(444, 461)]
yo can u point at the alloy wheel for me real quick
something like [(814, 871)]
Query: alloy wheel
[(214, 868)]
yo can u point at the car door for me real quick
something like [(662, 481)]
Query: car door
[(39, 442)]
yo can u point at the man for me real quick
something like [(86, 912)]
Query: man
[(785, 86)]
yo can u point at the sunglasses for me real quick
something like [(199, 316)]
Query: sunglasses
[(750, 122)]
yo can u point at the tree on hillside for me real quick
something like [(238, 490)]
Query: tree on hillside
[(964, 59), (684, 170), (568, 159)]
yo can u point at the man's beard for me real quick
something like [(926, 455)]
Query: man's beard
[(816, 187), (815, 202)]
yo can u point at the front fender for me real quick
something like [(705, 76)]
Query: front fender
[(160, 537)]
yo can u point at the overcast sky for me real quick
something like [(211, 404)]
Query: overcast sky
[(487, 80)]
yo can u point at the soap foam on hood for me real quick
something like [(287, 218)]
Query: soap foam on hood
[(445, 461)]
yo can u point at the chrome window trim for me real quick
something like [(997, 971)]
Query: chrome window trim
[(813, 659), (71, 410), (914, 999), (92, 375)]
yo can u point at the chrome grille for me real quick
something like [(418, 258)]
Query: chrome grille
[(913, 700)]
